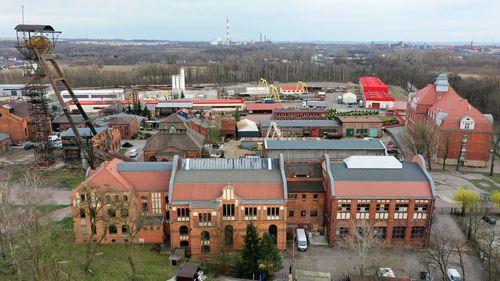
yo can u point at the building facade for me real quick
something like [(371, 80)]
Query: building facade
[(299, 114), (463, 133), (361, 126), (375, 93), (304, 128)]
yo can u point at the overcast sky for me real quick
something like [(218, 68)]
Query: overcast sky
[(280, 20)]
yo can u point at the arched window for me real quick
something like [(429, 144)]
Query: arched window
[(273, 230), (205, 236), (205, 249), (125, 229), (113, 229), (184, 230), (228, 236)]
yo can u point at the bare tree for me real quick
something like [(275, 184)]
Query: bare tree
[(445, 146), (100, 205), (486, 240), (439, 252), (421, 139), (461, 247), (364, 239), (133, 220)]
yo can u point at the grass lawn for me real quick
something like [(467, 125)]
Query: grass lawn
[(73, 177), (398, 92), (214, 134), (386, 118), (122, 150), (488, 185)]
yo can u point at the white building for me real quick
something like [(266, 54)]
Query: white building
[(349, 98), (96, 95)]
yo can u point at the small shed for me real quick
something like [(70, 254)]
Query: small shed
[(228, 128), (247, 129), (349, 98), (189, 272)]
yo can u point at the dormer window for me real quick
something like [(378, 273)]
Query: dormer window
[(467, 123), (172, 129)]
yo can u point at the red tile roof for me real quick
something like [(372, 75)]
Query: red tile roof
[(148, 181), (378, 96), (291, 88), (210, 191), (372, 83), (382, 189)]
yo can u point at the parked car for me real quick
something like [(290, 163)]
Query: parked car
[(453, 275), (385, 272), (133, 152), (15, 144), (301, 239), (490, 219), (426, 276), (28, 146), (127, 144)]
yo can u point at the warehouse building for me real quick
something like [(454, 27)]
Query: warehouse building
[(247, 129), (375, 93), (303, 113), (304, 128), (337, 150), (361, 126), (262, 108)]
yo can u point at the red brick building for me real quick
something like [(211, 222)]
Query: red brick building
[(145, 182), (127, 124), (212, 199), (14, 118), (394, 199), (175, 138), (361, 126), (463, 132), (299, 114)]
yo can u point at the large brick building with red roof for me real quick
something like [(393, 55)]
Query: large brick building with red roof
[(463, 132), (202, 203)]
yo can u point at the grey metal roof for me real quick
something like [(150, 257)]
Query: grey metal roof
[(144, 166), (225, 177), (187, 104), (34, 27), (324, 144), (229, 164), (4, 136), (214, 204), (258, 201), (300, 123), (305, 186), (84, 132), (372, 162), (410, 172)]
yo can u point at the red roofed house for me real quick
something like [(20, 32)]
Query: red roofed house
[(463, 132), (215, 198), (145, 182), (375, 93), (395, 199), (297, 89), (262, 107), (14, 119)]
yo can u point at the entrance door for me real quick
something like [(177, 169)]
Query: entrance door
[(373, 132), (375, 105), (315, 132), (349, 132)]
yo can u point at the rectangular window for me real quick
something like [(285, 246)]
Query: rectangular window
[(111, 213), (344, 208), (273, 213), (417, 232), (156, 202), (401, 208), (363, 208), (144, 204), (82, 213), (342, 232), (315, 196), (183, 214), (124, 213), (250, 213), (314, 213), (291, 213), (380, 232), (228, 210), (292, 196), (205, 219), (420, 208), (382, 208), (303, 213), (398, 232), (304, 196)]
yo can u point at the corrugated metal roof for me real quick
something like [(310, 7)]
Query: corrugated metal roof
[(409, 172), (187, 104), (84, 132), (144, 166), (372, 162), (4, 136), (224, 177), (324, 144), (300, 123), (229, 164)]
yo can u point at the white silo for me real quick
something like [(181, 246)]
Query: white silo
[(182, 80)]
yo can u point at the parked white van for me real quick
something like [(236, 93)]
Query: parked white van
[(301, 239)]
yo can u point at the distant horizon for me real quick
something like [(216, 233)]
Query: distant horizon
[(279, 20)]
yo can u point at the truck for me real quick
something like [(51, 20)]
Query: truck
[(314, 104), (301, 239)]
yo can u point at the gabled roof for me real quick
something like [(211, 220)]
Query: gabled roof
[(84, 132), (191, 140), (19, 109)]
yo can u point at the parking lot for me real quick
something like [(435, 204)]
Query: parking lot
[(404, 262)]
